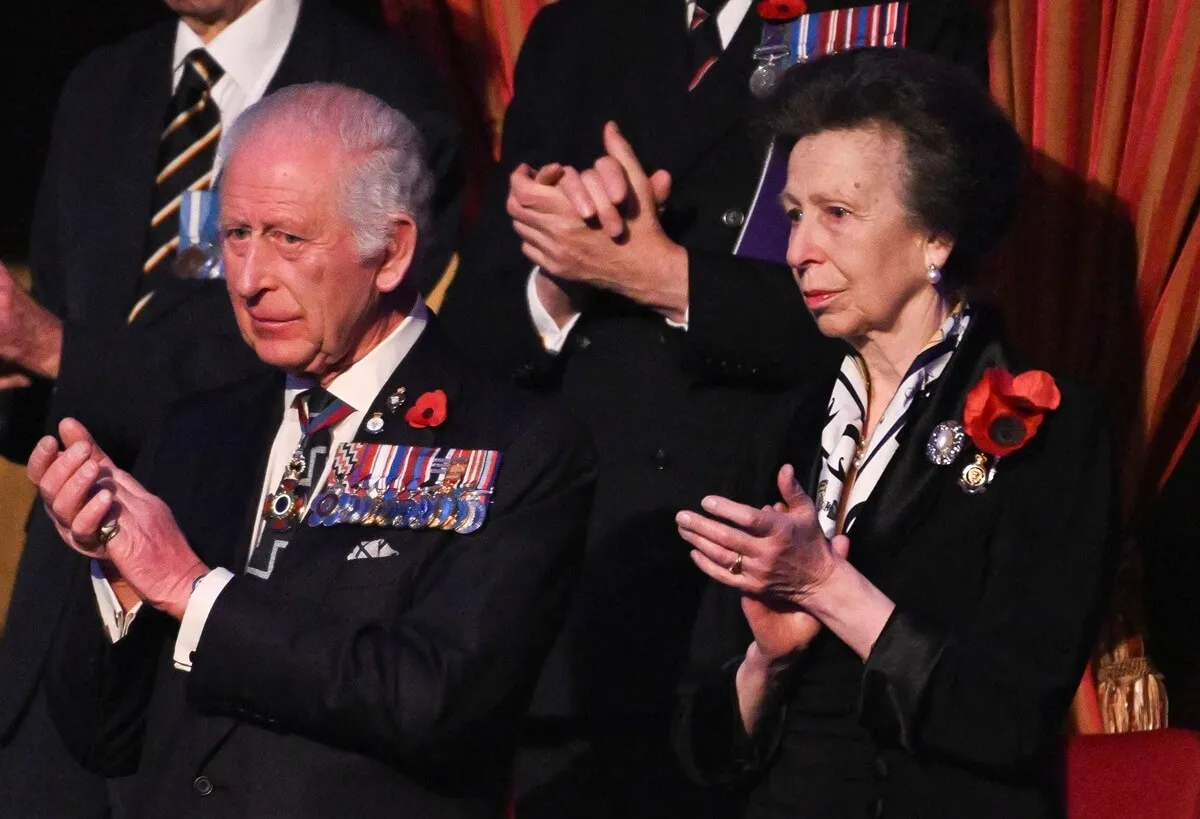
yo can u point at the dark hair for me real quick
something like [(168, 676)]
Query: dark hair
[(964, 158)]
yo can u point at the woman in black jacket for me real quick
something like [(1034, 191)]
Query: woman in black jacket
[(907, 601)]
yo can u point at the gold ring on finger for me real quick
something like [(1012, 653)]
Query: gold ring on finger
[(736, 566)]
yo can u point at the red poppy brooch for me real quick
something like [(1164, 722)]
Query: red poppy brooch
[(427, 411), (780, 11), (1002, 413)]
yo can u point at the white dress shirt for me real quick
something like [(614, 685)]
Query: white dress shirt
[(249, 50), (554, 337)]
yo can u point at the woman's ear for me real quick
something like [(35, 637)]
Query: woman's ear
[(937, 250)]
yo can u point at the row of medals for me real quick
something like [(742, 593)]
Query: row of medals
[(458, 509)]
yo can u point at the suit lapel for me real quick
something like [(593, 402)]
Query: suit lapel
[(721, 100), (307, 56), (249, 427), (910, 482), (143, 103)]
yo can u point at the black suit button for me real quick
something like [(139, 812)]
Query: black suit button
[(881, 767), (878, 807), (733, 218), (661, 459), (202, 785), (582, 342)]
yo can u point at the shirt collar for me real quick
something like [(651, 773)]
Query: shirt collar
[(248, 45), (359, 384)]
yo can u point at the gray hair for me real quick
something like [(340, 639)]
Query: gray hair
[(385, 172)]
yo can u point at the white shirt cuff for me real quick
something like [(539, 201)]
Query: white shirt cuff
[(553, 337), (196, 615), (680, 325), (116, 620)]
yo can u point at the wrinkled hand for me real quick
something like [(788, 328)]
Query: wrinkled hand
[(785, 555), (600, 228), (30, 336), (781, 629), (81, 488)]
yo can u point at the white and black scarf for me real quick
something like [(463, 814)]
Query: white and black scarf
[(847, 413)]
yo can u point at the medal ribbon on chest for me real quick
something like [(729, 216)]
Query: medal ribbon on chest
[(785, 43), (408, 487)]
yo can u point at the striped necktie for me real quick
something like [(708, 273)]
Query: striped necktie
[(185, 155), (704, 39)]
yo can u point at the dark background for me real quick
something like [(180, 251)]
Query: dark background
[(40, 42)]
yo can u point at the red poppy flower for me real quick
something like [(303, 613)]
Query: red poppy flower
[(428, 411), (1004, 411), (779, 11)]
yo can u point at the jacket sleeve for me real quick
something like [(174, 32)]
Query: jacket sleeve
[(748, 323), (991, 690), (445, 679), (98, 691), (23, 411), (709, 738)]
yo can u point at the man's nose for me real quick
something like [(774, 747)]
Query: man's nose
[(248, 272)]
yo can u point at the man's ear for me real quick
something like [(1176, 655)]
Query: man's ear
[(398, 255)]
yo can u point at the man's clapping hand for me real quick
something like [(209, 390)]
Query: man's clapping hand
[(148, 558)]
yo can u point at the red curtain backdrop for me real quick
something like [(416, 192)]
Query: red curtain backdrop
[(1101, 280), (1103, 273)]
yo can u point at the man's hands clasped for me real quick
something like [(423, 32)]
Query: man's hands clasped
[(599, 228)]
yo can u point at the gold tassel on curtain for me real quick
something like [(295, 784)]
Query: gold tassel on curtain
[(1131, 693)]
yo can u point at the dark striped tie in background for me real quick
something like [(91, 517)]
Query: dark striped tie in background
[(185, 156), (704, 39)]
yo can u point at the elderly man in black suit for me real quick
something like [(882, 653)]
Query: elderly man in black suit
[(329, 589), (668, 344), (110, 336)]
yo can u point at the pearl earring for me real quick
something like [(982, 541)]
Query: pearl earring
[(934, 274)]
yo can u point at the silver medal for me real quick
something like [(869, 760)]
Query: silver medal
[(764, 80)]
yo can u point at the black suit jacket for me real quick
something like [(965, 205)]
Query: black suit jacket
[(88, 244), (961, 702), (368, 687), (668, 409)]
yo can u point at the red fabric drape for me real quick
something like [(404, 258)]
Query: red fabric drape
[(1104, 269)]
